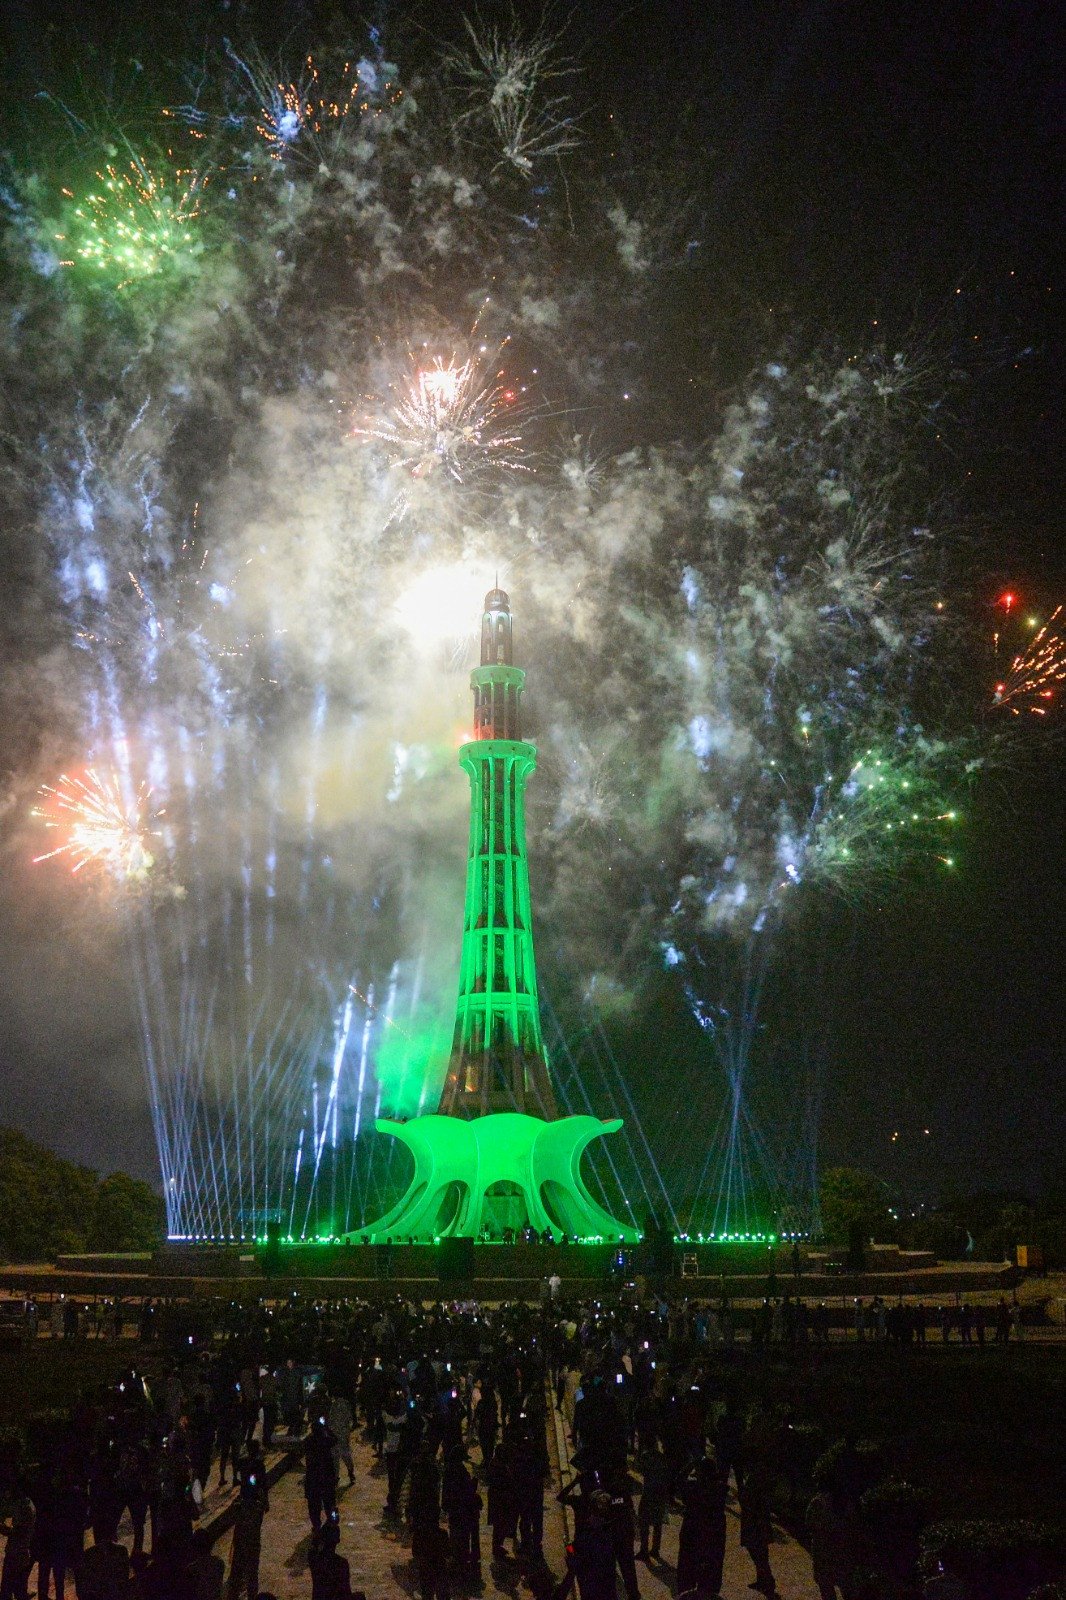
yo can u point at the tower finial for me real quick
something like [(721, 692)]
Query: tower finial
[(496, 631)]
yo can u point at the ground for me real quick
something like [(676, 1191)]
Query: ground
[(380, 1557)]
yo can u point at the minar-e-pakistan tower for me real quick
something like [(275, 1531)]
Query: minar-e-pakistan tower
[(497, 1150)]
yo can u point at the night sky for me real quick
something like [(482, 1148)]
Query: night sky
[(868, 164)]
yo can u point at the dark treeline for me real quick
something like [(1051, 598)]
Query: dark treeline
[(984, 1225), (49, 1206)]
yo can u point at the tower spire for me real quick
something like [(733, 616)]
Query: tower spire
[(498, 1061)]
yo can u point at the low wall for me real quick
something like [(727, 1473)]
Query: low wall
[(575, 1263), (500, 1272), (132, 1262), (878, 1258)]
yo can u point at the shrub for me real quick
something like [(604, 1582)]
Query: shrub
[(849, 1471), (803, 1446), (1004, 1560), (893, 1515)]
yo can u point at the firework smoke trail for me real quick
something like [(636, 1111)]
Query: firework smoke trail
[(784, 651), (217, 1080), (716, 629)]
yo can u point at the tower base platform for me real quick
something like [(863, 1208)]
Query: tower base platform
[(505, 1170)]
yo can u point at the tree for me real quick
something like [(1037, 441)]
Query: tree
[(49, 1206), (44, 1201), (853, 1205), (128, 1215)]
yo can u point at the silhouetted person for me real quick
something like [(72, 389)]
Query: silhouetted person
[(461, 1504), (103, 1571), (172, 1529), (825, 1530), (410, 1440), (340, 1424), (487, 1423), (622, 1522), (201, 1439), (252, 1507), (430, 1553), (593, 1560), (268, 1393), (755, 1527), (292, 1397), (320, 1476), (249, 1403), (201, 1574), (228, 1424), (531, 1468), (701, 1543), (728, 1438), (423, 1501), (373, 1393), (18, 1529), (331, 1577), (61, 1534), (503, 1495), (1003, 1321), (394, 1420), (654, 1499)]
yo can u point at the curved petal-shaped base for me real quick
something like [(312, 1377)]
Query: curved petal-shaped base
[(457, 1164)]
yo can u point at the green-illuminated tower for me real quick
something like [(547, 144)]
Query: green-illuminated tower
[(497, 1061), (497, 1146)]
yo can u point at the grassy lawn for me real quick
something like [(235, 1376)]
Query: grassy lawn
[(50, 1375)]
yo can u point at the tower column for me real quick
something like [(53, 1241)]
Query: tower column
[(498, 1060)]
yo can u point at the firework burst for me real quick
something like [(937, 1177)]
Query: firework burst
[(1036, 672), (728, 603), (100, 827), (308, 118), (884, 814), (509, 79), (136, 223), (450, 419)]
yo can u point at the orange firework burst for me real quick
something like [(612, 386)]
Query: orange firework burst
[(1035, 673), (451, 417), (312, 114), (100, 827)]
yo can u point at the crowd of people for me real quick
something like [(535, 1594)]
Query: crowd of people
[(455, 1405), (778, 1318), (298, 1377)]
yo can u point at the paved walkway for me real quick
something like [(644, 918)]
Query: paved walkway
[(380, 1557), (790, 1563), (380, 1560), (378, 1551)]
